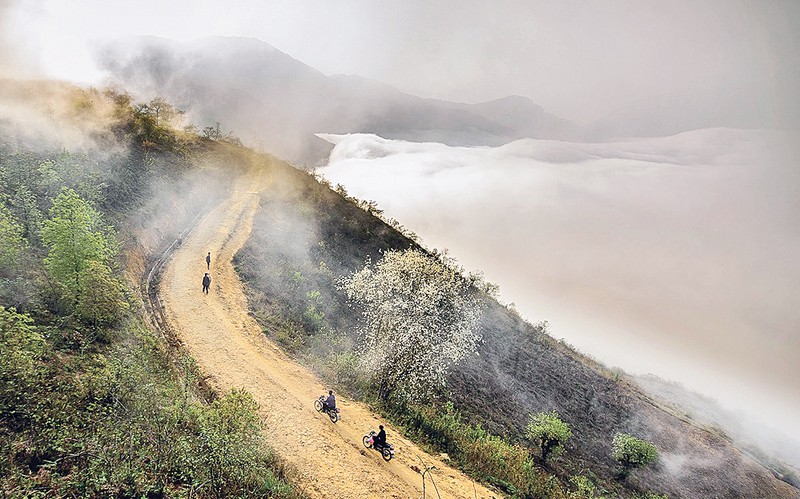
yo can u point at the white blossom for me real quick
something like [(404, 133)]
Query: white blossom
[(420, 318)]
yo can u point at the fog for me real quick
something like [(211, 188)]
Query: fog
[(581, 61), (675, 256)]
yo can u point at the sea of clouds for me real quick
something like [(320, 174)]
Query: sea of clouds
[(678, 256)]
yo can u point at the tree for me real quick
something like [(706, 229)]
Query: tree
[(22, 346), (75, 235), (161, 110), (631, 453), (151, 124), (26, 210), (215, 133), (101, 296), (12, 242), (73, 171), (548, 431), (420, 318)]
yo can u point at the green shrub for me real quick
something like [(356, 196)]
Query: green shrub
[(12, 241), (22, 347), (101, 298), (549, 432), (584, 488), (631, 453), (487, 457)]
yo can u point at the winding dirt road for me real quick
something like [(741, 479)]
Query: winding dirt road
[(329, 459)]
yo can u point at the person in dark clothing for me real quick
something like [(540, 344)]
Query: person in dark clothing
[(208, 260), (379, 441), (330, 402), (206, 283)]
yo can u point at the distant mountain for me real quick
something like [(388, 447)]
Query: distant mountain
[(278, 104), (681, 111)]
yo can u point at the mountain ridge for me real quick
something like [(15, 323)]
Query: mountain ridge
[(278, 103)]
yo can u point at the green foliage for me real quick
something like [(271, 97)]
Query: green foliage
[(549, 432), (229, 440), (420, 318), (631, 452), (584, 488), (101, 297), (151, 125), (93, 425), (23, 347), (75, 236), (487, 457), (26, 210), (313, 317), (71, 171), (12, 242)]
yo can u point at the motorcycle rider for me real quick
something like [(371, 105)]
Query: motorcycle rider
[(379, 441), (330, 402)]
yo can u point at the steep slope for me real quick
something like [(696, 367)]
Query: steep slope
[(307, 235), (328, 459), (277, 103)]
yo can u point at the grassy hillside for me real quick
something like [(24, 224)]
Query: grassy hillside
[(308, 236), (92, 401)]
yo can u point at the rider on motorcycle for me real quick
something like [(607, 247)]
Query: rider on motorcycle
[(330, 402), (380, 439)]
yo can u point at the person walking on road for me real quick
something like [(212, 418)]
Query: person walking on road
[(206, 283), (208, 260)]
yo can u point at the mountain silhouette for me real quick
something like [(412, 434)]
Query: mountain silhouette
[(276, 103)]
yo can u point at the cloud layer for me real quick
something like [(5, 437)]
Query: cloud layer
[(674, 255)]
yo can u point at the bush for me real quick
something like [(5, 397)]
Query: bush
[(101, 298), (118, 425), (631, 453), (549, 432), (23, 348), (487, 457)]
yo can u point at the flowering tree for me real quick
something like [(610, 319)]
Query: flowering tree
[(420, 318)]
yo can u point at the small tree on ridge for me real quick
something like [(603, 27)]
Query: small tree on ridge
[(631, 453)]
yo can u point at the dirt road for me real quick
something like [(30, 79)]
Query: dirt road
[(229, 347)]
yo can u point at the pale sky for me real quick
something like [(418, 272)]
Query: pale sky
[(581, 60)]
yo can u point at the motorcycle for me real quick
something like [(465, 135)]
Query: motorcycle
[(387, 450), (319, 405)]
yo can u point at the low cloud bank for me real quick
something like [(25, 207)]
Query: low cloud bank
[(674, 255)]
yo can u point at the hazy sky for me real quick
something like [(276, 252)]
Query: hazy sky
[(579, 59)]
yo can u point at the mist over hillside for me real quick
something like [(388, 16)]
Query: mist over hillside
[(306, 237), (276, 103), (747, 431), (673, 255)]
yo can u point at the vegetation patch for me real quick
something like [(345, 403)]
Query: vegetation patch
[(92, 403)]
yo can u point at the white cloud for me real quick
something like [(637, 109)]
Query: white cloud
[(674, 255)]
